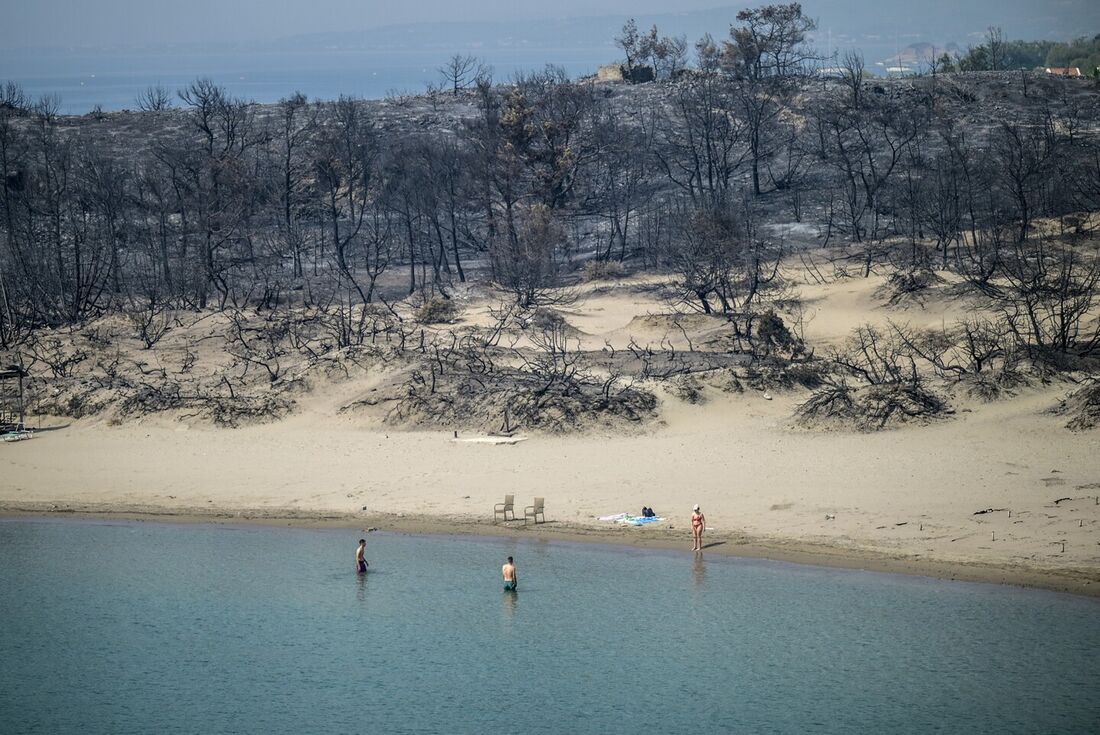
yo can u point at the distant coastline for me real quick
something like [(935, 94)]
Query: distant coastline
[(86, 79), (371, 62)]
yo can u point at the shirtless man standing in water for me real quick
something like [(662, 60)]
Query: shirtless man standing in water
[(509, 572), (360, 560)]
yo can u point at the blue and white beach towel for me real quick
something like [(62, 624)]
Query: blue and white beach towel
[(629, 520), (640, 520)]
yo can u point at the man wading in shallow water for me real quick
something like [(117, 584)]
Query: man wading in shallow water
[(509, 572), (360, 561)]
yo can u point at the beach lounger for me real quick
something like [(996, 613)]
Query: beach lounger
[(534, 511), (503, 509)]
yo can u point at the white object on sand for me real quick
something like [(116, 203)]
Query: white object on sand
[(490, 439)]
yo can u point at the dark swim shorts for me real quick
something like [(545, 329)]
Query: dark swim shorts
[(510, 586), (362, 566)]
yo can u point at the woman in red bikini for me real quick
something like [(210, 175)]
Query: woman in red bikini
[(698, 525)]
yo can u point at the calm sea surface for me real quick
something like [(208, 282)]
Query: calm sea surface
[(143, 628), (113, 80)]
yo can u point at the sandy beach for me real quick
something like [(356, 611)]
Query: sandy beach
[(1000, 491)]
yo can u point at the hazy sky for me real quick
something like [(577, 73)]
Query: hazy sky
[(144, 22), (138, 22)]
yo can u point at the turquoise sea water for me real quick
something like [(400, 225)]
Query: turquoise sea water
[(142, 627)]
